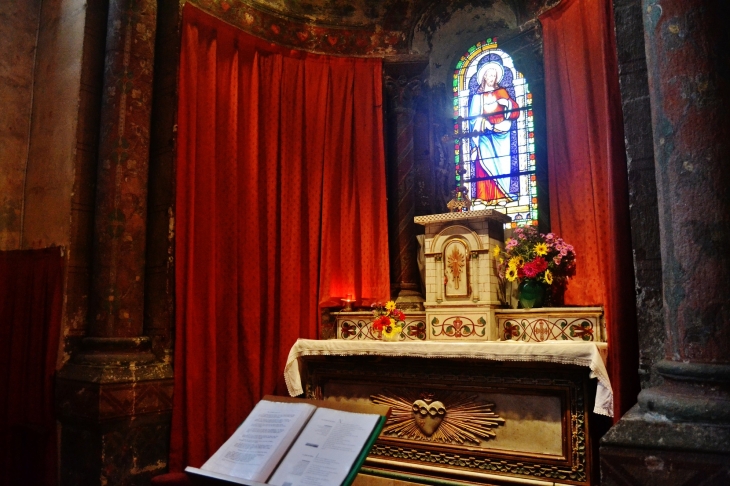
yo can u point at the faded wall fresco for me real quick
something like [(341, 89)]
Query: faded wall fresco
[(368, 27), (323, 30), (389, 14), (446, 32), (17, 55)]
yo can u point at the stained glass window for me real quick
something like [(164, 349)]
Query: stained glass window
[(494, 144)]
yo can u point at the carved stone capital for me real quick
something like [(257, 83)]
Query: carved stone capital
[(403, 91)]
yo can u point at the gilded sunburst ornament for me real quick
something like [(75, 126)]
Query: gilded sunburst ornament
[(454, 418), (456, 263)]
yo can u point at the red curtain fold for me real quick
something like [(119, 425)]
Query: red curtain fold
[(31, 294), (280, 209), (588, 175)]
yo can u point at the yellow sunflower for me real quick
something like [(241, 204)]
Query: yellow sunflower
[(515, 262), (496, 251), (541, 249), (548, 277), (511, 273), (390, 305), (392, 332)]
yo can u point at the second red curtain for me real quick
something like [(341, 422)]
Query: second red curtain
[(589, 204), (280, 210)]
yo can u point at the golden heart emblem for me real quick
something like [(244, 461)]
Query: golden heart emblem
[(428, 416)]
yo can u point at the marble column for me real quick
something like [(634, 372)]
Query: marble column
[(688, 59), (114, 396), (403, 92), (681, 427)]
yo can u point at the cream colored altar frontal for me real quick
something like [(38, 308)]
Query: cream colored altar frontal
[(587, 354)]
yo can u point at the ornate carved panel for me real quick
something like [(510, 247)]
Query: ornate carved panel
[(458, 327), (539, 329), (444, 417), (569, 324), (456, 268), (355, 326), (465, 419)]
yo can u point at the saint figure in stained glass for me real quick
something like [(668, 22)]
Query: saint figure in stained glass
[(492, 111), (495, 141)]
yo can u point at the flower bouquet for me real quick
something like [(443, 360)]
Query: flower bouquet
[(388, 321), (540, 263)]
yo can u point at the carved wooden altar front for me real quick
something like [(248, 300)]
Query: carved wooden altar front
[(468, 421), (470, 413)]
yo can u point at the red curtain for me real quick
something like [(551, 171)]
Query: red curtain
[(588, 176), (280, 210), (31, 294)]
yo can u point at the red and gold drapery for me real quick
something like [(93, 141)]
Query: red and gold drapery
[(588, 176)]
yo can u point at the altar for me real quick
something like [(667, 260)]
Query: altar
[(467, 412)]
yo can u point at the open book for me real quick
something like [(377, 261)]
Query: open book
[(296, 442)]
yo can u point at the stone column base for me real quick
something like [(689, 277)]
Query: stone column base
[(647, 449), (409, 299), (114, 403)]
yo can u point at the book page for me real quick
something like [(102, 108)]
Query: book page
[(326, 449), (255, 449)]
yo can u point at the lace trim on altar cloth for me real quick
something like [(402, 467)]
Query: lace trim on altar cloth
[(590, 355)]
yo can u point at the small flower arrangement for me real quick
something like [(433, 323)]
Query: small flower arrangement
[(545, 258), (388, 321)]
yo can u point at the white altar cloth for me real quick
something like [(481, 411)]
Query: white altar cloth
[(589, 354)]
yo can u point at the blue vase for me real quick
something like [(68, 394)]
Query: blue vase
[(531, 293)]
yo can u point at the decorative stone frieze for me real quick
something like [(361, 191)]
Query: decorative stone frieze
[(558, 323)]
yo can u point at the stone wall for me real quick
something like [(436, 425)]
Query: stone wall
[(17, 60), (642, 185), (49, 177), (40, 68)]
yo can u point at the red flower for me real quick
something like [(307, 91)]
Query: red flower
[(540, 264), (533, 268), (530, 270), (381, 322)]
